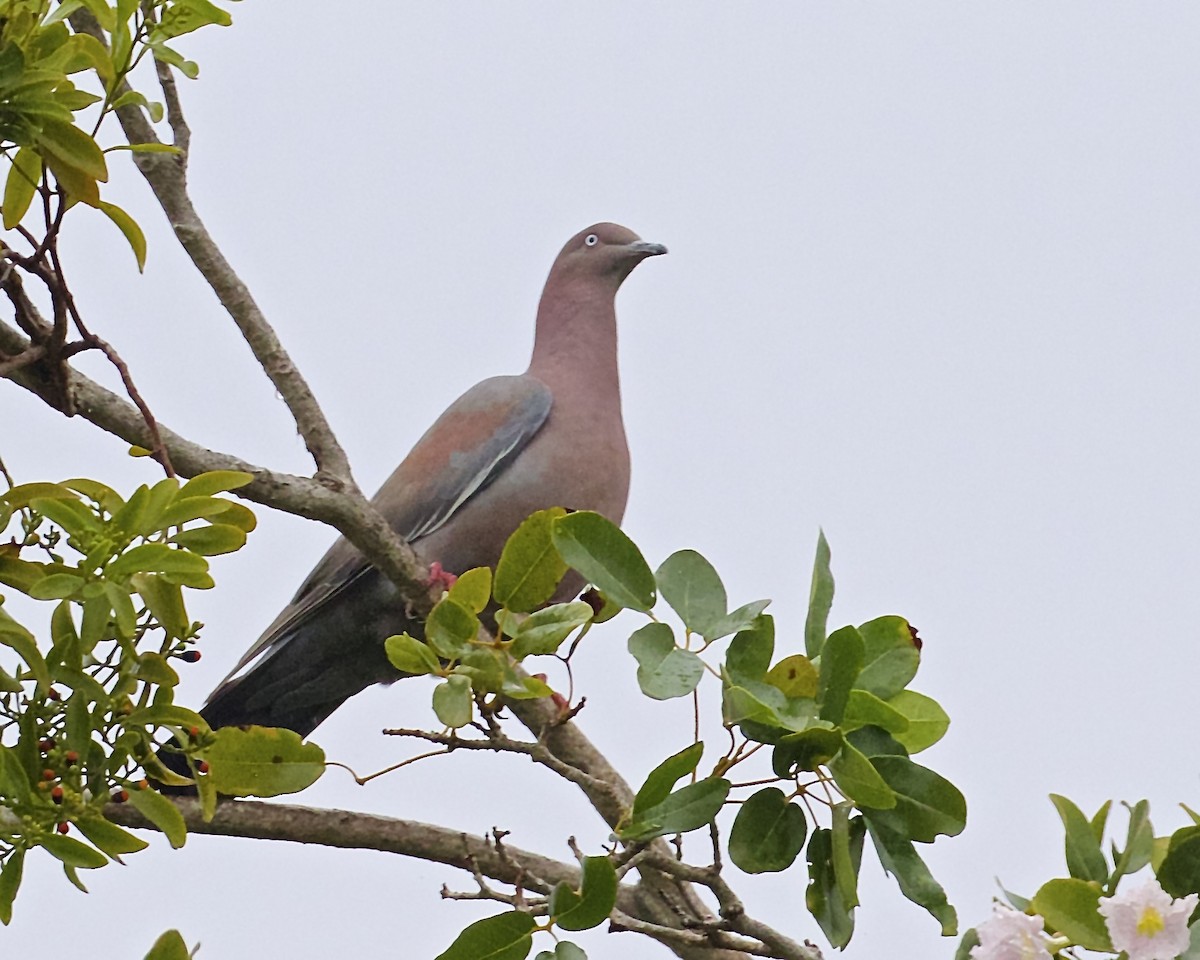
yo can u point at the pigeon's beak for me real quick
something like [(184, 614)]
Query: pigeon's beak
[(644, 248)]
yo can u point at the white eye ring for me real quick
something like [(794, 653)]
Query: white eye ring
[(591, 239)]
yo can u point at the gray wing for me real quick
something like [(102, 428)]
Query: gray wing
[(465, 450)]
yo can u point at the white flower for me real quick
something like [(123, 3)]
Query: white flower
[(1011, 935), (1146, 923)]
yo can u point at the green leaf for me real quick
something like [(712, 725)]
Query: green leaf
[(452, 701), (820, 600), (212, 539), (594, 901), (688, 808), (530, 568), (664, 670), (900, 858), (165, 54), (110, 838), (161, 812), (823, 896), (166, 715), (794, 676), (170, 946), (606, 558), (662, 779), (1139, 842), (23, 494), (1085, 859), (215, 481), (845, 834), (72, 515), (153, 668), (768, 833), (57, 586), (10, 883), (858, 779), (184, 16), (186, 509), (1100, 820), (20, 574), (411, 656), (450, 628), (262, 762), (164, 600), (969, 941), (1072, 908), (156, 558), (129, 229), (927, 721), (736, 620), (865, 709), (891, 656), (806, 750), (841, 660), (750, 652), (473, 589), (692, 587), (21, 185), (15, 636), (544, 631), (1179, 872), (927, 804), (70, 146), (508, 936), (565, 950), (72, 852)]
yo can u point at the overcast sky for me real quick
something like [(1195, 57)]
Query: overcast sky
[(932, 286)]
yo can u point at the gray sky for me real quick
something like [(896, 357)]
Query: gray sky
[(932, 286)]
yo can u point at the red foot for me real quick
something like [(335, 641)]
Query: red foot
[(439, 577)]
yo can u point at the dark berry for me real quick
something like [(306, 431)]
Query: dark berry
[(57, 794), (71, 757), (46, 745), (120, 796), (190, 656), (63, 827), (202, 766), (54, 694)]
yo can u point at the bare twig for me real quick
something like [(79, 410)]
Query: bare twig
[(498, 742)]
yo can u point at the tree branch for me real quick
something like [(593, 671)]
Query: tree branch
[(350, 513), (348, 830), (167, 177)]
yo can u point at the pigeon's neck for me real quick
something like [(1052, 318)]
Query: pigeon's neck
[(576, 340)]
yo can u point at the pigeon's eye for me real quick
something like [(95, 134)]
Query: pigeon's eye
[(591, 239)]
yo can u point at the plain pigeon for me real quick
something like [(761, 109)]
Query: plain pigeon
[(509, 446)]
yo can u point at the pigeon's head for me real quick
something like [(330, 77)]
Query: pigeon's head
[(603, 252)]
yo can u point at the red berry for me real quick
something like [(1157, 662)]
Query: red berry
[(46, 745), (71, 757), (57, 794), (202, 766), (63, 827), (193, 732), (48, 774), (190, 656), (143, 784)]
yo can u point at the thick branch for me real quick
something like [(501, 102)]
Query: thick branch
[(256, 820)]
